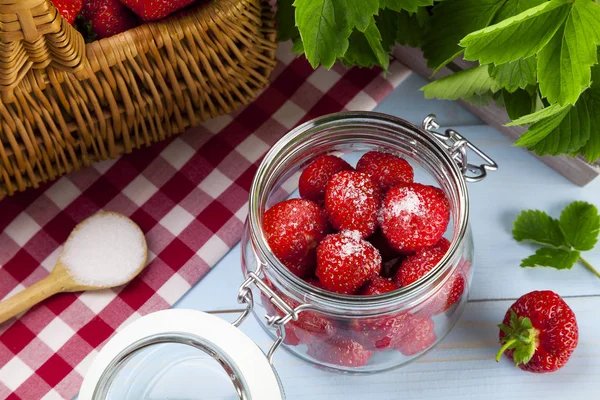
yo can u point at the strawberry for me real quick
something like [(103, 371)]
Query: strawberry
[(386, 169), (314, 282), (420, 336), (414, 216), (352, 201), (293, 229), (108, 17), (69, 9), (153, 10), (315, 177), (377, 285), (417, 265), (345, 262), (539, 332), (384, 247), (340, 351)]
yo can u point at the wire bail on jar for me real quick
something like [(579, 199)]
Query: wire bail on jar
[(278, 322), (457, 147)]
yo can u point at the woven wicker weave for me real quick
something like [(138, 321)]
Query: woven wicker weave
[(65, 105)]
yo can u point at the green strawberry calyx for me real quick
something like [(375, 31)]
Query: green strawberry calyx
[(520, 336)]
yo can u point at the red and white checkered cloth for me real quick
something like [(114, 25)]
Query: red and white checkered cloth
[(189, 195)]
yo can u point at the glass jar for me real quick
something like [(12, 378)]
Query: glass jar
[(190, 354), (382, 331)]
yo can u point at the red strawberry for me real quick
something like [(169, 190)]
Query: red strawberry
[(380, 333), (108, 17), (414, 216), (377, 285), (345, 262), (386, 170), (384, 247), (352, 201), (69, 9), (539, 332), (420, 336), (314, 282), (152, 10), (315, 177), (417, 265), (293, 229), (339, 351)]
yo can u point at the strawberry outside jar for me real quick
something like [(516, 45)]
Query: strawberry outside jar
[(187, 353)]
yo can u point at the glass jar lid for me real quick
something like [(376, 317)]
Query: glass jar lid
[(182, 354)]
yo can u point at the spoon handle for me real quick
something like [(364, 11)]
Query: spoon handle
[(28, 297)]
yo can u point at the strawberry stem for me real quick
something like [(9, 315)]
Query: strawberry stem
[(504, 348), (589, 267)]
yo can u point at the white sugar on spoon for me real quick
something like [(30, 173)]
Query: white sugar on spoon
[(105, 250)]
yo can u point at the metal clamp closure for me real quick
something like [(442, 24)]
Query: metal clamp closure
[(274, 321), (457, 147)]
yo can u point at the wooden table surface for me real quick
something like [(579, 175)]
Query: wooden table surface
[(461, 366)]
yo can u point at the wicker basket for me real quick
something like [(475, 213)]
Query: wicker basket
[(65, 105)]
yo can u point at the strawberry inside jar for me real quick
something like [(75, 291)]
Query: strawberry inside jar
[(363, 267)]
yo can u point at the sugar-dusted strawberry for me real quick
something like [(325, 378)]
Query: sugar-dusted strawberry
[(69, 9), (345, 262), (386, 169), (377, 285), (384, 247), (352, 201), (293, 229), (416, 265), (420, 336), (339, 351), (380, 333), (153, 10), (539, 332), (316, 176), (108, 17), (414, 216)]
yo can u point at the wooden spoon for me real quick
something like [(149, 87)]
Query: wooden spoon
[(60, 280)]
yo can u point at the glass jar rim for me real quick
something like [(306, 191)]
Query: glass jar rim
[(340, 302)]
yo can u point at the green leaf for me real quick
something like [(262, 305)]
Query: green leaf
[(564, 64), (408, 5), (521, 36), (360, 12), (298, 46), (479, 100), (465, 83), (519, 103), (388, 22), (515, 74), (580, 224), (410, 27), (324, 28), (286, 21), (538, 115), (570, 135), (366, 48), (451, 21), (552, 258), (538, 131), (514, 7), (591, 150), (538, 227)]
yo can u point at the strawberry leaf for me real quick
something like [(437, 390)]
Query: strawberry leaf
[(552, 258), (466, 84), (580, 224), (515, 74), (408, 5), (366, 48), (538, 227), (286, 21), (519, 103), (451, 21), (324, 28)]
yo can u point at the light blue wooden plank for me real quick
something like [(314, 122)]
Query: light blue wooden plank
[(460, 367)]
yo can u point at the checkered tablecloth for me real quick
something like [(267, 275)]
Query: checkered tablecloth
[(189, 195)]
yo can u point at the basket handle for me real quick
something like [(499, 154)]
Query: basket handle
[(33, 34)]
